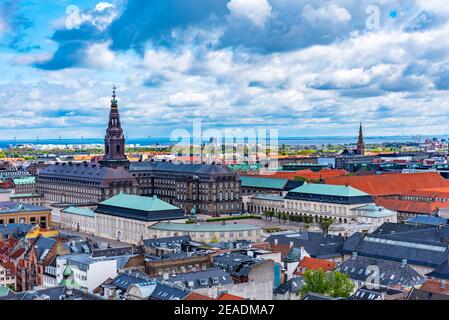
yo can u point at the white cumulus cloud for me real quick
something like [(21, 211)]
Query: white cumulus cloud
[(258, 11)]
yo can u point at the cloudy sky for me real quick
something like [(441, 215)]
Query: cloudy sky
[(308, 68)]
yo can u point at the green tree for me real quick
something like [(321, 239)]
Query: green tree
[(284, 217), (325, 224), (268, 214), (315, 281), (11, 287), (291, 218), (279, 216), (341, 284), (334, 284)]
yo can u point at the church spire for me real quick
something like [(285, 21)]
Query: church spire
[(360, 143), (114, 140), (113, 101)]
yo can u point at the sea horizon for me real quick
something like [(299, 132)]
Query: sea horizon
[(298, 140)]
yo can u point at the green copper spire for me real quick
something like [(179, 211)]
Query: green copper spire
[(114, 101)]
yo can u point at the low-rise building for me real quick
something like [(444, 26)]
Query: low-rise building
[(35, 199), (341, 203), (88, 272), (25, 185), (309, 263), (8, 275), (380, 273), (79, 219), (176, 263), (39, 254), (311, 244), (289, 290), (12, 212), (381, 293), (254, 185), (128, 218), (422, 248), (207, 232), (261, 203), (152, 290)]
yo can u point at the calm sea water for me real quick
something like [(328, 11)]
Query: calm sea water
[(166, 141)]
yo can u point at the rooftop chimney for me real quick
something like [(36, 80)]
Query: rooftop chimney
[(291, 244), (443, 284), (275, 242), (404, 262), (354, 255)]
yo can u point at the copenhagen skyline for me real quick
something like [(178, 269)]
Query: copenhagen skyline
[(233, 63)]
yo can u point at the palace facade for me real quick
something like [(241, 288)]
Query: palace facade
[(208, 188), (86, 182)]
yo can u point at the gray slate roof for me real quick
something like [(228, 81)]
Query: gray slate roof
[(441, 272), (88, 172), (168, 242), (424, 246), (199, 169), (293, 285), (200, 279), (318, 245), (16, 230), (124, 280), (391, 273), (56, 293), (364, 293), (115, 252)]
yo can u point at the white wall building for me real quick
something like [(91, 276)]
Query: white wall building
[(88, 273), (351, 209), (79, 219)]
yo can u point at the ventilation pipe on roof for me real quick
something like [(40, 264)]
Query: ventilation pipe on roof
[(404, 262), (443, 284), (354, 255)]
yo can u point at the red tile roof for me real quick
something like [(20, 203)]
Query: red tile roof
[(435, 286), (442, 193), (227, 296), (16, 254), (422, 207), (314, 264), (391, 184), (197, 296), (284, 249)]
